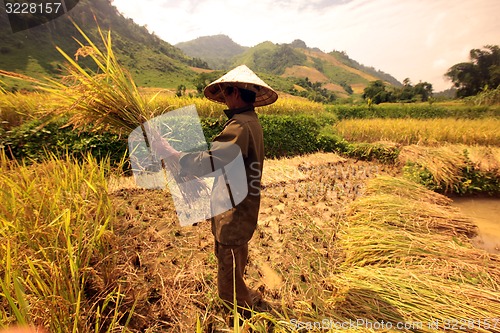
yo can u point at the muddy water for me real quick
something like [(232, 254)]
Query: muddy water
[(486, 214)]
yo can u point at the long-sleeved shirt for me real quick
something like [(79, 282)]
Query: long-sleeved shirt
[(233, 224)]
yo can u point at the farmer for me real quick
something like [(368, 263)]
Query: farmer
[(241, 90)]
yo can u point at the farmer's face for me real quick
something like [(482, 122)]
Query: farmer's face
[(233, 99)]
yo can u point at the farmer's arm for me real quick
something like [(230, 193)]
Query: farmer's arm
[(232, 141)]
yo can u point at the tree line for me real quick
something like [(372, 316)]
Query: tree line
[(378, 92), (470, 78)]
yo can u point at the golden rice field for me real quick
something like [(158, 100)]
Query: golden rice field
[(16, 108), (342, 245), (422, 131), (285, 105)]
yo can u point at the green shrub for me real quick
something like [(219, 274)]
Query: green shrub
[(485, 97), (289, 135), (211, 127), (410, 110), (329, 141), (32, 141), (283, 136)]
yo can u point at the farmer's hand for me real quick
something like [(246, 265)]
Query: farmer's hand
[(159, 145), (162, 148)]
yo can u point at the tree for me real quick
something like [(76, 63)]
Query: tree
[(424, 90), (481, 72), (407, 93), (181, 90), (203, 79), (376, 92), (315, 91)]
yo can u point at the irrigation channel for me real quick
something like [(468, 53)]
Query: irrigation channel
[(486, 214)]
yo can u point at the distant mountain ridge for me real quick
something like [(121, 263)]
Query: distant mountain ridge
[(216, 50), (335, 71), (292, 68)]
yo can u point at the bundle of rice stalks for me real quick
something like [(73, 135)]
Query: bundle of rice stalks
[(418, 302), (485, 159), (108, 99), (443, 163), (448, 257), (409, 263), (408, 259), (415, 216), (404, 188)]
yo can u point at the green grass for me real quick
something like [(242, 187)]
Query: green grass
[(458, 110), (338, 74)]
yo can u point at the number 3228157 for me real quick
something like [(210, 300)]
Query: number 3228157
[(32, 8)]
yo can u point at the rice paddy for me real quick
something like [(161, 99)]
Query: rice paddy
[(433, 132), (342, 244)]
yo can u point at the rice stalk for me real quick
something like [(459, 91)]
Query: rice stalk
[(390, 210), (431, 132), (485, 159), (443, 163), (404, 188), (441, 255), (408, 259), (401, 295), (108, 99), (53, 219)]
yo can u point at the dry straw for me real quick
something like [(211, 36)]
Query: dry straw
[(444, 163), (107, 99), (408, 258)]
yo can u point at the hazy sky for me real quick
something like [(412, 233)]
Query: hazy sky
[(419, 39)]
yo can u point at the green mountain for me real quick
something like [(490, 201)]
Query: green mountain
[(217, 50), (344, 58), (152, 61), (293, 67)]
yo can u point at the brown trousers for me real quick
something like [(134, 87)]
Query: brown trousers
[(226, 256)]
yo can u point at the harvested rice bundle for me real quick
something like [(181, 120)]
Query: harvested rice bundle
[(108, 99), (486, 159), (441, 255), (399, 295), (443, 163), (415, 216), (404, 188)]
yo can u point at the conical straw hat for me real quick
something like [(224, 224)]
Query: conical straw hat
[(241, 77)]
